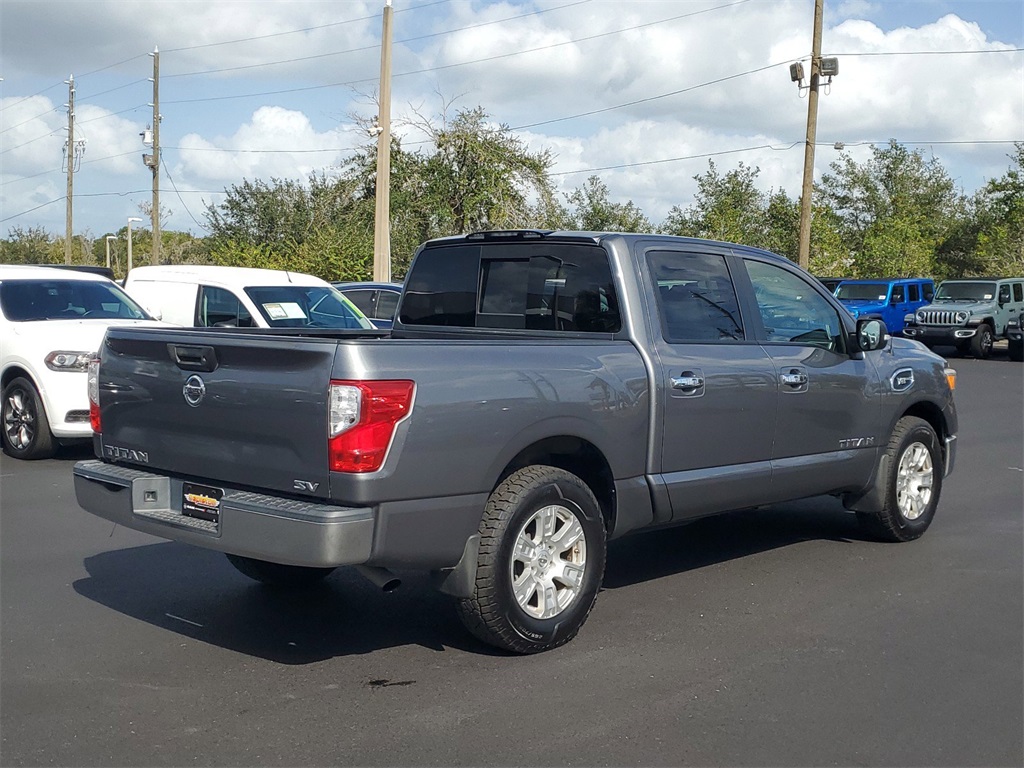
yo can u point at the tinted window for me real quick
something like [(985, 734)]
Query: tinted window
[(1018, 292), (914, 292), (300, 306), (898, 293), (532, 286), (792, 310), (363, 299), (929, 291), (696, 300), (862, 291), (221, 308), (28, 300), (387, 302)]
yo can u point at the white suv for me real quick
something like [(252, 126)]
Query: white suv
[(52, 322)]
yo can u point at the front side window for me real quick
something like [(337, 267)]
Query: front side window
[(696, 299), (898, 294), (306, 306), (792, 310), (30, 300), (529, 286)]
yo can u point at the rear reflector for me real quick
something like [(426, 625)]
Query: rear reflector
[(361, 421)]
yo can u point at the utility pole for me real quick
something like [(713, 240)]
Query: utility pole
[(70, 154), (812, 129), (154, 162), (382, 217)]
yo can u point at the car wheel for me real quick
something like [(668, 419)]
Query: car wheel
[(981, 341), (914, 480), (540, 563), (278, 574), (26, 431)]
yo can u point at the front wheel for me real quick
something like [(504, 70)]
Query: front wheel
[(278, 574), (540, 562), (26, 432), (914, 480), (981, 341)]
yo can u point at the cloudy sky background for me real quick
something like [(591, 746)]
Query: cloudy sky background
[(642, 94)]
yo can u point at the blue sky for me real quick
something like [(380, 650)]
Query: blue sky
[(642, 94)]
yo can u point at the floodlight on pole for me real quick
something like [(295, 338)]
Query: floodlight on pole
[(130, 220)]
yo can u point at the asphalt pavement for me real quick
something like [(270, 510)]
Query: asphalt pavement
[(778, 636)]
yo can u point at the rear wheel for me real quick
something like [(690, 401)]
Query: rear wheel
[(278, 574), (914, 480), (26, 432), (981, 341), (540, 562)]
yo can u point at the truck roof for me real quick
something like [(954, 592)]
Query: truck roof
[(46, 272)]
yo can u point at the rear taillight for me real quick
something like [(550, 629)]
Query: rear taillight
[(93, 378), (361, 421)]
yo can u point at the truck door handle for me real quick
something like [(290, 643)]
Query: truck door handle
[(794, 379), (685, 381), (190, 358)]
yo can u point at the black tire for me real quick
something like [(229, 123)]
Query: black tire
[(26, 430), (913, 448), (494, 613), (1016, 351), (981, 341), (278, 574)]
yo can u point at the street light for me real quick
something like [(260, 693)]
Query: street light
[(130, 220), (109, 238)]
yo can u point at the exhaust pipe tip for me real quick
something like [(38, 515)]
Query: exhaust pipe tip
[(380, 577)]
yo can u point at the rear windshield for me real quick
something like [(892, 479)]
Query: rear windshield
[(863, 291), (306, 306), (968, 291), (530, 286), (30, 300)]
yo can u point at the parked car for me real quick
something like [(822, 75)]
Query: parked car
[(831, 283), (52, 323), (241, 297), (539, 394), (970, 314), (378, 301), (890, 299), (1015, 338)]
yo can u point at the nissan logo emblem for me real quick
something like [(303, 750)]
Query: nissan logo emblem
[(194, 390)]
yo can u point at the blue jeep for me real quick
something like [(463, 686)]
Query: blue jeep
[(890, 299)]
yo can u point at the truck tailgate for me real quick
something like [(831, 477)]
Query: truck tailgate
[(245, 409)]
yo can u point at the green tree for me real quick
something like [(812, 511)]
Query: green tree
[(894, 210), (592, 210), (726, 207), (999, 221)]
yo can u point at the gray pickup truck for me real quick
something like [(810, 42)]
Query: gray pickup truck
[(540, 394)]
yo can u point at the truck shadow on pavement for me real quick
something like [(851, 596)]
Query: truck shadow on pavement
[(196, 593)]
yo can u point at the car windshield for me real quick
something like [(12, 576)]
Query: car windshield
[(863, 291), (315, 306), (31, 300), (966, 291)]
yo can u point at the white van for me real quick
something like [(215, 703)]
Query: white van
[(241, 297)]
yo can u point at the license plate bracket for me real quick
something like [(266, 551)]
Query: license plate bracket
[(201, 502)]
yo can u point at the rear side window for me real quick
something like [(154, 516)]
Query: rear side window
[(696, 299), (387, 303), (913, 292), (362, 299), (1018, 292), (220, 308), (528, 286)]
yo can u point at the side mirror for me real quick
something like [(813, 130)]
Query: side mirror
[(1004, 295), (871, 334)]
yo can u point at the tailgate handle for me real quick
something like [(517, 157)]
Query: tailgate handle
[(190, 358)]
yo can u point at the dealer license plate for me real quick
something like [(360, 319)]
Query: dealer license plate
[(201, 501)]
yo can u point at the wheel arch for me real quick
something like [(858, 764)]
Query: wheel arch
[(930, 412), (576, 455), (16, 371)]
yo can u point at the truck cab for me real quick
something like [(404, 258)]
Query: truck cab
[(888, 299)]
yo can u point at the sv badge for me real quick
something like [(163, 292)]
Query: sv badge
[(305, 486)]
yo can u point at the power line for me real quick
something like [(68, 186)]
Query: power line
[(674, 159), (180, 199), (374, 47), (296, 31), (931, 53)]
